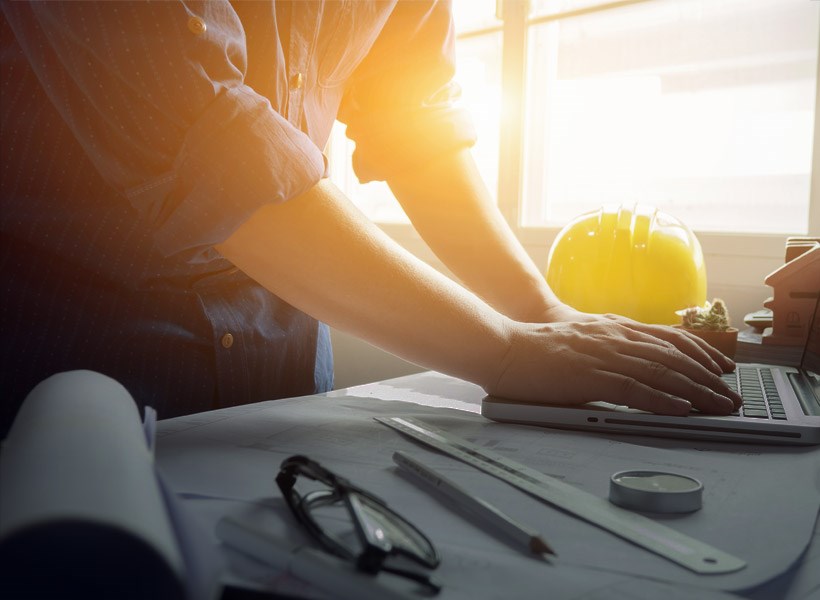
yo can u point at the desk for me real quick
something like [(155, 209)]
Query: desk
[(219, 461)]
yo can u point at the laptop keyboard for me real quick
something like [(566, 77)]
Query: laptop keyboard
[(760, 397)]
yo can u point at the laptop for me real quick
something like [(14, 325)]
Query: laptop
[(781, 405)]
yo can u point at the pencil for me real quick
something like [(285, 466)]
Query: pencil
[(482, 509)]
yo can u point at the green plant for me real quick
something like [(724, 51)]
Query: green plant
[(712, 316)]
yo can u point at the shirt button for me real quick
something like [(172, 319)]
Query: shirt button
[(297, 81), (197, 26), (227, 340)]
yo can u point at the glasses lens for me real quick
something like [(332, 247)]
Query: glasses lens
[(335, 516), (393, 532), (326, 510)]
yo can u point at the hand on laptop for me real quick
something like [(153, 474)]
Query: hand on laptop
[(579, 357)]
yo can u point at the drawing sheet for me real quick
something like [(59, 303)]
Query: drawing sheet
[(760, 505)]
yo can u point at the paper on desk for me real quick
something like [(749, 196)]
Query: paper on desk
[(428, 389), (760, 507), (271, 518)]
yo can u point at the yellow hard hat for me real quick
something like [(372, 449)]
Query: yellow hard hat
[(634, 261)]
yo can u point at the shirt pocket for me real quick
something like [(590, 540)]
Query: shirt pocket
[(348, 31)]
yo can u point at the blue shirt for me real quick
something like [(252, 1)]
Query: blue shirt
[(136, 136)]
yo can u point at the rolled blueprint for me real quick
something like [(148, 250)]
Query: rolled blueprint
[(81, 513)]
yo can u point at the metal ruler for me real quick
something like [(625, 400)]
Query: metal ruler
[(637, 529)]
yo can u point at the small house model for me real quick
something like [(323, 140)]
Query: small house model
[(796, 289)]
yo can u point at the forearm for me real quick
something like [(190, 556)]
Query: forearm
[(320, 254), (317, 252), (452, 210)]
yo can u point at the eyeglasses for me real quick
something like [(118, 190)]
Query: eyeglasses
[(379, 538)]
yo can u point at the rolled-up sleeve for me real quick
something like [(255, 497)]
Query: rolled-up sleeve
[(155, 95), (401, 107)]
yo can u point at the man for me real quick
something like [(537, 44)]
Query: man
[(166, 219)]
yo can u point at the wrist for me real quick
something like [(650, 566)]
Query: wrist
[(493, 374), (549, 309)]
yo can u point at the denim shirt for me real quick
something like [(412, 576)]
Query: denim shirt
[(139, 135)]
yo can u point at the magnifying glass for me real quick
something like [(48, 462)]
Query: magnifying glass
[(655, 491)]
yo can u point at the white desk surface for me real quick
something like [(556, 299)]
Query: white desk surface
[(759, 503)]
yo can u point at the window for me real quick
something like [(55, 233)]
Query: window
[(704, 108)]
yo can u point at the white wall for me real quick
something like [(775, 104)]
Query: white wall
[(357, 362)]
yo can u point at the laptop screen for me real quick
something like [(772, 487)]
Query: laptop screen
[(811, 354)]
